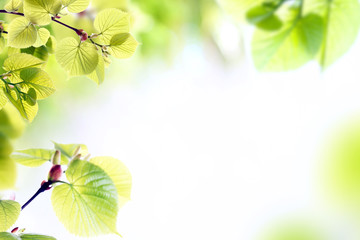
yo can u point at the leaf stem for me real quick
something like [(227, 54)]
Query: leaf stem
[(43, 188)]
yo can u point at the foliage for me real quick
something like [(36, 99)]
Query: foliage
[(27, 40)]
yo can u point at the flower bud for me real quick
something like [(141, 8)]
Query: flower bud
[(43, 182), (15, 230), (55, 173), (77, 150), (56, 158)]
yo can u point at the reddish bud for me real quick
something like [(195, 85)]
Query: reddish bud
[(57, 17), (15, 230), (55, 173), (43, 182), (84, 36)]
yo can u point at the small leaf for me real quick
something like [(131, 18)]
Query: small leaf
[(9, 213), (40, 11), (13, 5), (19, 61), (119, 174), (77, 58), (30, 236), (39, 80), (51, 44), (110, 22), (76, 6), (26, 110), (32, 157), (68, 151), (88, 205), (22, 33), (31, 97), (122, 45), (42, 37), (8, 236)]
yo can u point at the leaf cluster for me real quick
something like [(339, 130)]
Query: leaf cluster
[(289, 34)]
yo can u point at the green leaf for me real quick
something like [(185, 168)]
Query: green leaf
[(30, 236), (42, 37), (40, 11), (119, 174), (76, 6), (41, 52), (13, 5), (299, 36), (32, 157), (26, 110), (122, 45), (68, 151), (9, 213), (5, 146), (39, 80), (20, 61), (8, 236), (341, 27), (77, 58), (51, 44), (87, 206), (22, 33), (31, 97), (3, 100), (98, 75), (7, 173), (110, 22), (260, 13)]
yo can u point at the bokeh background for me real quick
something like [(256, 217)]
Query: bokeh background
[(217, 150)]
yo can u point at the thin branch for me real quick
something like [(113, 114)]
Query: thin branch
[(43, 188)]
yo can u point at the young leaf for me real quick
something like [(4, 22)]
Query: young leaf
[(68, 151), (77, 58), (42, 37), (22, 33), (39, 80), (87, 206), (2, 44), (98, 75), (9, 213), (26, 110), (76, 6), (19, 61), (40, 11), (30, 236), (32, 157), (341, 27), (122, 45), (119, 174), (8, 236), (110, 22), (7, 173), (290, 47), (13, 5)]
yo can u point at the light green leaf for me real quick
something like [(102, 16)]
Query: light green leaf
[(13, 5), (68, 151), (40, 11), (98, 75), (110, 22), (8, 236), (299, 36), (26, 110), (19, 61), (42, 37), (76, 6), (41, 52), (122, 45), (22, 33), (11, 123), (77, 58), (39, 80), (87, 206), (3, 99), (9, 213), (341, 27), (32, 157), (119, 174), (30, 236), (51, 44), (7, 173)]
